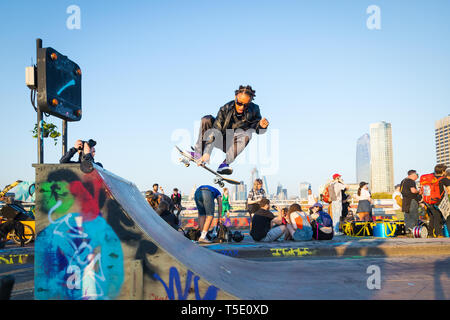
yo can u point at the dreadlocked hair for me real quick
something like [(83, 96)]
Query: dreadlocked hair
[(247, 90)]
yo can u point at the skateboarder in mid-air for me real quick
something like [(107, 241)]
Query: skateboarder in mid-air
[(231, 130)]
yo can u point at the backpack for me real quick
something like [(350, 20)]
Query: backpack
[(429, 185), (331, 191), (304, 229), (192, 234), (222, 233), (326, 194)]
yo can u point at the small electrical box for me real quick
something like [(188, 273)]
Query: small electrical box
[(30, 77)]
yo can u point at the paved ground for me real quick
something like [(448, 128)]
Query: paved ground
[(364, 268), (400, 277)]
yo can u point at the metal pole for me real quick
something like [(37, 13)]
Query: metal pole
[(64, 137), (40, 128)]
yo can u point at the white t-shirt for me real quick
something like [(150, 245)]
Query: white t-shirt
[(338, 187), (365, 195)]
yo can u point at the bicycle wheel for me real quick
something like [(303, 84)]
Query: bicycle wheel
[(28, 235)]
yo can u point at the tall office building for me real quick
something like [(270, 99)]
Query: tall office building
[(442, 134), (266, 187), (241, 191), (304, 186), (381, 157), (363, 159)]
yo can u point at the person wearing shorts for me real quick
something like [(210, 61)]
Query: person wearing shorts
[(204, 199), (266, 227)]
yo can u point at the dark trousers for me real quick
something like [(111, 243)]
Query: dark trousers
[(233, 143), (436, 221), (412, 217)]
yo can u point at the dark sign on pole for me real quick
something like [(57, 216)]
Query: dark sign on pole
[(59, 85)]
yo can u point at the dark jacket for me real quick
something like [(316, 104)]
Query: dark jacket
[(250, 119), (261, 224), (170, 218), (226, 119), (85, 160), (66, 158)]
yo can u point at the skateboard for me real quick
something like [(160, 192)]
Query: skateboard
[(186, 159)]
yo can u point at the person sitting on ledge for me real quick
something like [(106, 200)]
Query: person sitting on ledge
[(166, 215), (266, 227), (321, 223)]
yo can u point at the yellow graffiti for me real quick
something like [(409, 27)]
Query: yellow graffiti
[(291, 252), (11, 259)]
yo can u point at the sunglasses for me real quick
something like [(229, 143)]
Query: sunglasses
[(240, 104)]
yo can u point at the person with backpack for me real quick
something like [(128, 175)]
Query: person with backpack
[(335, 189), (431, 195), (321, 223), (204, 199), (410, 201), (298, 223)]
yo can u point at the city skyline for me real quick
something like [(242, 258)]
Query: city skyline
[(321, 77)]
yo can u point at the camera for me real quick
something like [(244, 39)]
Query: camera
[(91, 143), (274, 207)]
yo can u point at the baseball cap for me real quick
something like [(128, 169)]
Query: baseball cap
[(318, 204), (336, 175)]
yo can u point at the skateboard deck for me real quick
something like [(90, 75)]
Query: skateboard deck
[(219, 179)]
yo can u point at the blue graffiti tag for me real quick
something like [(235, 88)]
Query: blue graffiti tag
[(174, 280)]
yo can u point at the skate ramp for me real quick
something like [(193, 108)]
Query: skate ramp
[(98, 238)]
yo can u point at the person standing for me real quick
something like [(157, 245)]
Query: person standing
[(204, 199), (431, 195), (226, 203), (364, 210), (410, 202), (311, 199), (255, 196), (176, 200), (336, 188)]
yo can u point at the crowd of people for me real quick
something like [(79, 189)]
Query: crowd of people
[(410, 197)]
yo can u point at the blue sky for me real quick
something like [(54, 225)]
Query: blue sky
[(152, 69)]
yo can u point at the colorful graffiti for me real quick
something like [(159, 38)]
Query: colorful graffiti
[(15, 258), (175, 282), (292, 252), (78, 254)]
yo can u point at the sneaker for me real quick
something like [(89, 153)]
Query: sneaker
[(204, 241), (224, 168), (195, 155)]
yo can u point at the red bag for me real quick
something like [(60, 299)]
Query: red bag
[(429, 185), (326, 194)]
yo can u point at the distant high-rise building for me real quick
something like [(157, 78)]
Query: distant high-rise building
[(255, 175), (191, 195), (363, 159), (442, 135), (241, 191), (266, 186), (381, 157), (304, 186)]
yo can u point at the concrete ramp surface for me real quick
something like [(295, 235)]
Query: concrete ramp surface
[(98, 238)]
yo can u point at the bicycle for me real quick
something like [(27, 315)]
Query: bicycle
[(28, 234)]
